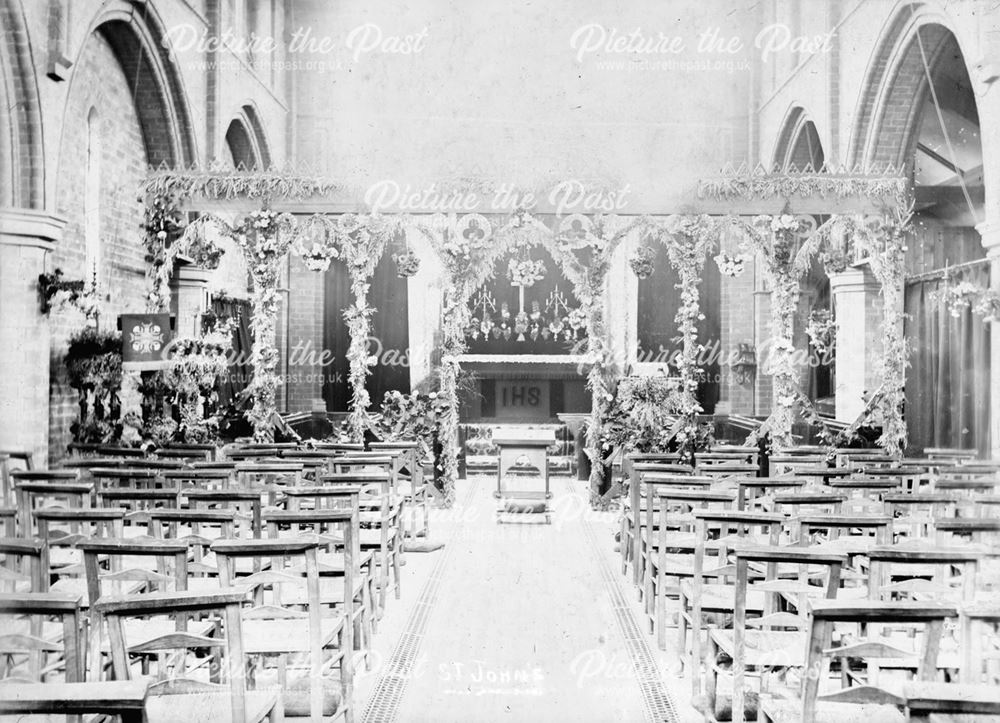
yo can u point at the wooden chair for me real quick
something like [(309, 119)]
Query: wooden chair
[(245, 502), (294, 613), (124, 700), (669, 545), (270, 477), (756, 493), (23, 565), (380, 521), (718, 532), (28, 633), (176, 697), (7, 457), (629, 542), (914, 513), (201, 479), (60, 529), (416, 493), (777, 639), (868, 701), (333, 559), (40, 488)]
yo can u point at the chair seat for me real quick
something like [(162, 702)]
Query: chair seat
[(207, 707), (788, 711), (721, 598), (765, 647), (267, 637), (331, 592)]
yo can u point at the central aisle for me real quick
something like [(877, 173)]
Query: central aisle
[(520, 621)]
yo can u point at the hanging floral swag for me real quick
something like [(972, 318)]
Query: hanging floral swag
[(786, 245), (882, 241), (967, 295), (167, 238), (688, 243), (264, 239)]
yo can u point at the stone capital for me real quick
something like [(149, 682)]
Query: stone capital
[(30, 227), (855, 279), (989, 231)]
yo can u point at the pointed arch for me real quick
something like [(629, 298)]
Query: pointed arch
[(136, 35), (22, 183)]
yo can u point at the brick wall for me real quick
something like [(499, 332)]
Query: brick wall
[(100, 84)]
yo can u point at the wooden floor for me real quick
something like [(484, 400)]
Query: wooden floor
[(519, 622)]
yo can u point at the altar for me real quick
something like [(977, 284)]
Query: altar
[(515, 388)]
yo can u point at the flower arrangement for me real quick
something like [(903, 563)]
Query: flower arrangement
[(731, 266), (197, 364), (960, 297), (411, 416), (56, 292), (407, 264), (316, 257), (641, 262), (525, 272), (821, 330), (94, 367)]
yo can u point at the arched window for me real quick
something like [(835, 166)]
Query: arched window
[(92, 199)]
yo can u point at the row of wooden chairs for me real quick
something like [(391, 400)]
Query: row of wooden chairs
[(265, 571), (766, 574)]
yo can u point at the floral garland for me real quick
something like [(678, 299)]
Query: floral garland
[(167, 238), (222, 183), (882, 240), (967, 295), (362, 240), (786, 244), (264, 239), (690, 239), (887, 183)]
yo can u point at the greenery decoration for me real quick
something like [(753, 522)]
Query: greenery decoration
[(264, 237), (196, 365), (786, 245), (57, 292), (94, 366), (218, 182)]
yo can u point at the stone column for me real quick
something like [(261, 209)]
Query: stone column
[(189, 298), (990, 232), (858, 308), (763, 383), (25, 237)]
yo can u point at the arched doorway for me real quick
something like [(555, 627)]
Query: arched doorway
[(928, 123)]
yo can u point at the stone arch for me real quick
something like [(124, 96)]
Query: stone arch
[(136, 35), (895, 86), (22, 183), (799, 145), (246, 141)]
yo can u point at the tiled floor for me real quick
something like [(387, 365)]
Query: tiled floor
[(521, 622)]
